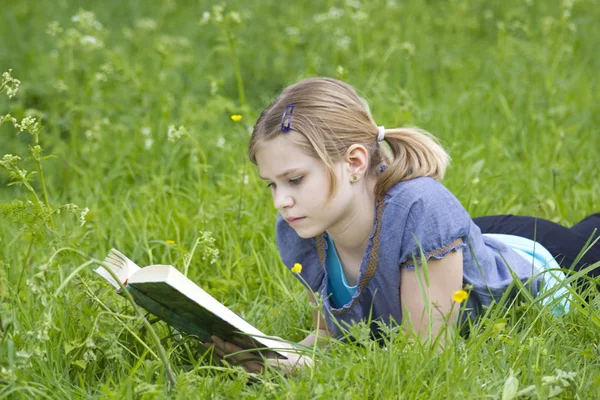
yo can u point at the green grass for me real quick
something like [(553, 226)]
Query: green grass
[(510, 88)]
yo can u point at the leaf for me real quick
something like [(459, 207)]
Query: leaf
[(80, 363), (511, 386)]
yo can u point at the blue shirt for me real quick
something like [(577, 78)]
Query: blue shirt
[(415, 215)]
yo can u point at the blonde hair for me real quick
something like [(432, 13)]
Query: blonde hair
[(330, 117)]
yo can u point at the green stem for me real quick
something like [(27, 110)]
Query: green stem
[(43, 182), (24, 268), (236, 68)]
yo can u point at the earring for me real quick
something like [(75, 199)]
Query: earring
[(354, 179)]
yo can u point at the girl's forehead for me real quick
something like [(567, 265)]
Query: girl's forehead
[(282, 144), (282, 153)]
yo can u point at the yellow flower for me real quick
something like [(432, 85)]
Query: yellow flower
[(460, 296), (170, 241), (236, 117), (297, 268)]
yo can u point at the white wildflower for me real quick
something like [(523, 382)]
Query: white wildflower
[(28, 123), (146, 131), (148, 143), (54, 29), (235, 17), (91, 42), (10, 84), (174, 133), (86, 19), (205, 17), (82, 220), (221, 142), (344, 42)]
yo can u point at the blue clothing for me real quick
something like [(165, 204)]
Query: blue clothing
[(415, 215), (341, 292), (558, 298)]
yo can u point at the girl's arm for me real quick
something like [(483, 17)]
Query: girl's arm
[(225, 350), (426, 297), (319, 323)]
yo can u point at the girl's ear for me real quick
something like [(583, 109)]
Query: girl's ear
[(357, 158)]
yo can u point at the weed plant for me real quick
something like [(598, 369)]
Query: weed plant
[(121, 134)]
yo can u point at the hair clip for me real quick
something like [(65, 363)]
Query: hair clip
[(284, 127)]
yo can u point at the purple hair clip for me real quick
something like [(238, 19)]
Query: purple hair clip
[(285, 127)]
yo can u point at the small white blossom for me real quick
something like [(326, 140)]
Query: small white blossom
[(146, 131), (174, 133), (148, 143), (221, 142), (10, 84), (205, 17), (91, 42), (54, 29), (344, 42), (86, 19), (84, 212), (235, 17)]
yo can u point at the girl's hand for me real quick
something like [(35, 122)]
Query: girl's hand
[(253, 362)]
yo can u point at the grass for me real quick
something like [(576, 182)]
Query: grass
[(510, 88)]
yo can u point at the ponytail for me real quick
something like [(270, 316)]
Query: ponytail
[(415, 153)]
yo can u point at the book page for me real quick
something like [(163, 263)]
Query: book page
[(122, 266)]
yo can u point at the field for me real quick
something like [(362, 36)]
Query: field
[(136, 148)]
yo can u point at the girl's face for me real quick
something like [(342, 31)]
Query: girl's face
[(300, 186)]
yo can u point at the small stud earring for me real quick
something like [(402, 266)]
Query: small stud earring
[(354, 179)]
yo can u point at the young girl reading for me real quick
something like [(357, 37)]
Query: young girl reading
[(363, 218)]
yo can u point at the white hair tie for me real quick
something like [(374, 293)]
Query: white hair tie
[(380, 133)]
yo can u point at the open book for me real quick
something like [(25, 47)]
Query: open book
[(171, 296)]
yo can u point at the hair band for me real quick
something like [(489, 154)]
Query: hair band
[(285, 127), (380, 133)]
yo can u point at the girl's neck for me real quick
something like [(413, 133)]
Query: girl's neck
[(351, 235)]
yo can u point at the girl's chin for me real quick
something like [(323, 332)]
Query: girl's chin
[(307, 233)]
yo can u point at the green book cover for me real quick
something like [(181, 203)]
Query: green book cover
[(167, 293)]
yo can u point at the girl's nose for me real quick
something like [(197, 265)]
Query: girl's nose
[(282, 200)]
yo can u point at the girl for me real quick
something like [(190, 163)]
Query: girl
[(361, 221)]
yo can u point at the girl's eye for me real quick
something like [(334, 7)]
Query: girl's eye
[(271, 185), (296, 181)]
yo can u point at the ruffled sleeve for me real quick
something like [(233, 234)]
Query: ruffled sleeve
[(432, 220), (294, 249)]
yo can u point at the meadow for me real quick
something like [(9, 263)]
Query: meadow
[(123, 126)]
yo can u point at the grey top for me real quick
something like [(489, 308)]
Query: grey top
[(417, 215)]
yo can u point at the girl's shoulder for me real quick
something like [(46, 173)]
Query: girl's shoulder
[(421, 214), (423, 191)]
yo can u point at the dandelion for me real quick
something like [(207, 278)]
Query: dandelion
[(236, 117), (170, 242), (297, 268), (460, 296)]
